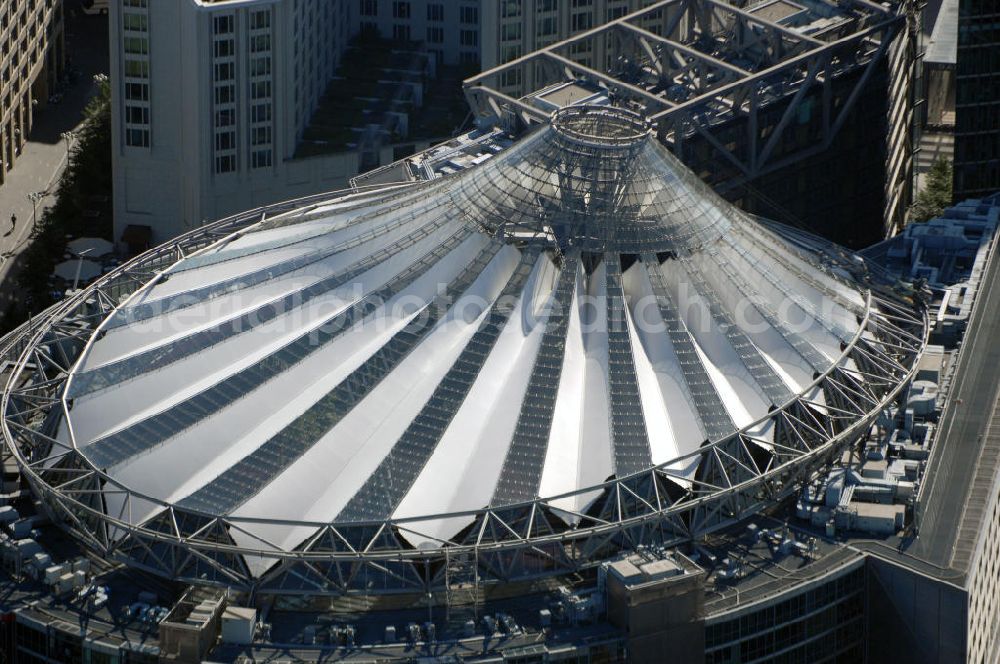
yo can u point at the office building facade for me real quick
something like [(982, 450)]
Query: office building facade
[(977, 103), (31, 61), (487, 33), (209, 100), (212, 98)]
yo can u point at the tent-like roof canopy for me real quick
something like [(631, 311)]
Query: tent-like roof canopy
[(578, 308)]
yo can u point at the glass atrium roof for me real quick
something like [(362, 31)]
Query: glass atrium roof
[(576, 308)]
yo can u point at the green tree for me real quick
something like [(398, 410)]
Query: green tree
[(936, 194)]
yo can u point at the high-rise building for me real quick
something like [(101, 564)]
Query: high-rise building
[(212, 100), (514, 29), (31, 60), (737, 93), (450, 30), (486, 33), (209, 100), (566, 404), (977, 103)]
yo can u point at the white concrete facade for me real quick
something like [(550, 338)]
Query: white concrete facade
[(209, 99)]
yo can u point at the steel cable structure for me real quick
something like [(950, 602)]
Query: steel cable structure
[(520, 370)]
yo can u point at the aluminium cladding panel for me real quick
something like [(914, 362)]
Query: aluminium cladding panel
[(388, 484), (927, 619), (249, 475), (122, 445)]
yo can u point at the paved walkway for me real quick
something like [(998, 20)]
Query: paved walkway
[(44, 155)]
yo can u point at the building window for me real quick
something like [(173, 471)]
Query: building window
[(435, 12), (223, 25), (401, 9), (137, 115), (260, 158), (260, 20), (510, 8), (260, 66), (260, 135), (469, 38), (224, 70), (224, 94), (369, 7), (582, 21), (135, 67), (260, 43), (135, 22), (511, 78), (260, 113), (224, 48), (435, 35), (468, 15), (225, 163), (510, 32), (509, 53), (225, 140), (136, 92), (260, 89), (401, 32), (546, 27), (259, 128), (137, 138)]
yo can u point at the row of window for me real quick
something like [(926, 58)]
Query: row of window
[(320, 31), (514, 8), (135, 63), (435, 11), (224, 79), (261, 93)]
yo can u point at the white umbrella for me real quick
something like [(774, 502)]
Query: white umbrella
[(94, 246), (67, 269)]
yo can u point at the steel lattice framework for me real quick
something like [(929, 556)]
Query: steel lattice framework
[(737, 474), (697, 68)]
